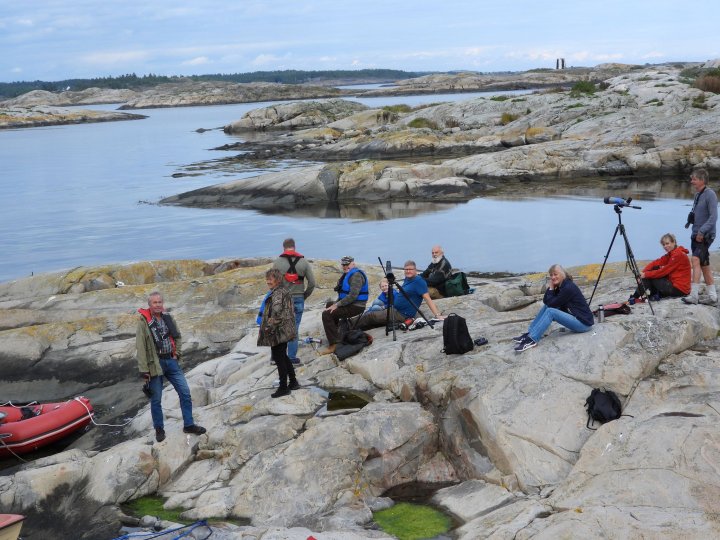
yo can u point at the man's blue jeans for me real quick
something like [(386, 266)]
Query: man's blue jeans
[(292, 347), (547, 315), (175, 376)]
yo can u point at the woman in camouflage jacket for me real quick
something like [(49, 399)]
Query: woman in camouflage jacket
[(276, 329)]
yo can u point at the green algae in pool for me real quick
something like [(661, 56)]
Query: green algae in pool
[(408, 521)]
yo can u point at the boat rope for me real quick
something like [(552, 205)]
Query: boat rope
[(190, 528), (13, 453), (11, 404), (92, 417)]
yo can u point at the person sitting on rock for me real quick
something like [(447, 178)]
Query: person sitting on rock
[(563, 303), (381, 302), (277, 328), (669, 275), (352, 289), (416, 291), (157, 339), (437, 273)]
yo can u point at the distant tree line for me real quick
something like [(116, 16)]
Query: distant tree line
[(132, 81)]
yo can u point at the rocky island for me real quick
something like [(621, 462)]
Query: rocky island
[(505, 432), (646, 123)]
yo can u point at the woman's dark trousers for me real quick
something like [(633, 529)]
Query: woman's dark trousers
[(278, 354)]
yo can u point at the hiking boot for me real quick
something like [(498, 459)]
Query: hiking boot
[(692, 298), (529, 343), (194, 429), (330, 349), (294, 385), (418, 323), (159, 434), (280, 392), (520, 338)]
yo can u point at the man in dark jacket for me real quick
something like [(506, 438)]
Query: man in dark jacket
[(299, 280), (158, 354), (437, 273)]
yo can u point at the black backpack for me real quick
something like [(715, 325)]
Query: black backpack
[(352, 343), (456, 338), (602, 406)]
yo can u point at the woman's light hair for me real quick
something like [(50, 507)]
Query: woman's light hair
[(560, 270), (668, 236)]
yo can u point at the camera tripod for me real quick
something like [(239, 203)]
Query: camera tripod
[(630, 258), (389, 321)]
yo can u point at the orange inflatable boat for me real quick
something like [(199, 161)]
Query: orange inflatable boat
[(29, 427)]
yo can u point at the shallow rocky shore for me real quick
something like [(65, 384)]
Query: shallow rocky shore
[(645, 124), (507, 430), (37, 116)]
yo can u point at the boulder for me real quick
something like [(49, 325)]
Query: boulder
[(298, 114)]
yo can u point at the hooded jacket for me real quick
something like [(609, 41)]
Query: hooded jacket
[(674, 265)]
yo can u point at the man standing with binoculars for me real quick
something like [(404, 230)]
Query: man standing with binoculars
[(703, 218)]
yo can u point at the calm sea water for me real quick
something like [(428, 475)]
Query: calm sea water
[(77, 195)]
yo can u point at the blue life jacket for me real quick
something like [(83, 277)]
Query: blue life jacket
[(258, 320), (345, 287)]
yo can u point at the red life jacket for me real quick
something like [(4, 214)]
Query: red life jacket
[(291, 275), (149, 319)]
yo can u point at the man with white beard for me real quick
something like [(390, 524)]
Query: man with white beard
[(437, 273)]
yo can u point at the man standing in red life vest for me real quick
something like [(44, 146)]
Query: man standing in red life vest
[(158, 352), (299, 279)]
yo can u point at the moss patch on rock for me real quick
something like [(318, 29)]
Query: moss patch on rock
[(409, 521)]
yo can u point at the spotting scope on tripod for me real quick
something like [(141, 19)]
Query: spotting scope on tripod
[(618, 204)]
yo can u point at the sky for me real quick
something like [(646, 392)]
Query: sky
[(54, 40)]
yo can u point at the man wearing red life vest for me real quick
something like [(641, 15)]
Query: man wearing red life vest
[(158, 352), (298, 278)]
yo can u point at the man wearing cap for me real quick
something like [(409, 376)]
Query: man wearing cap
[(352, 289), (299, 279)]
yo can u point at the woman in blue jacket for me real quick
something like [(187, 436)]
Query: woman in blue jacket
[(563, 303)]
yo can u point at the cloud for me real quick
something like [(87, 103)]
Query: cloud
[(266, 59), (477, 51), (116, 57), (199, 61)]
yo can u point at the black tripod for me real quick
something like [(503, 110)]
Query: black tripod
[(389, 320), (630, 258)]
